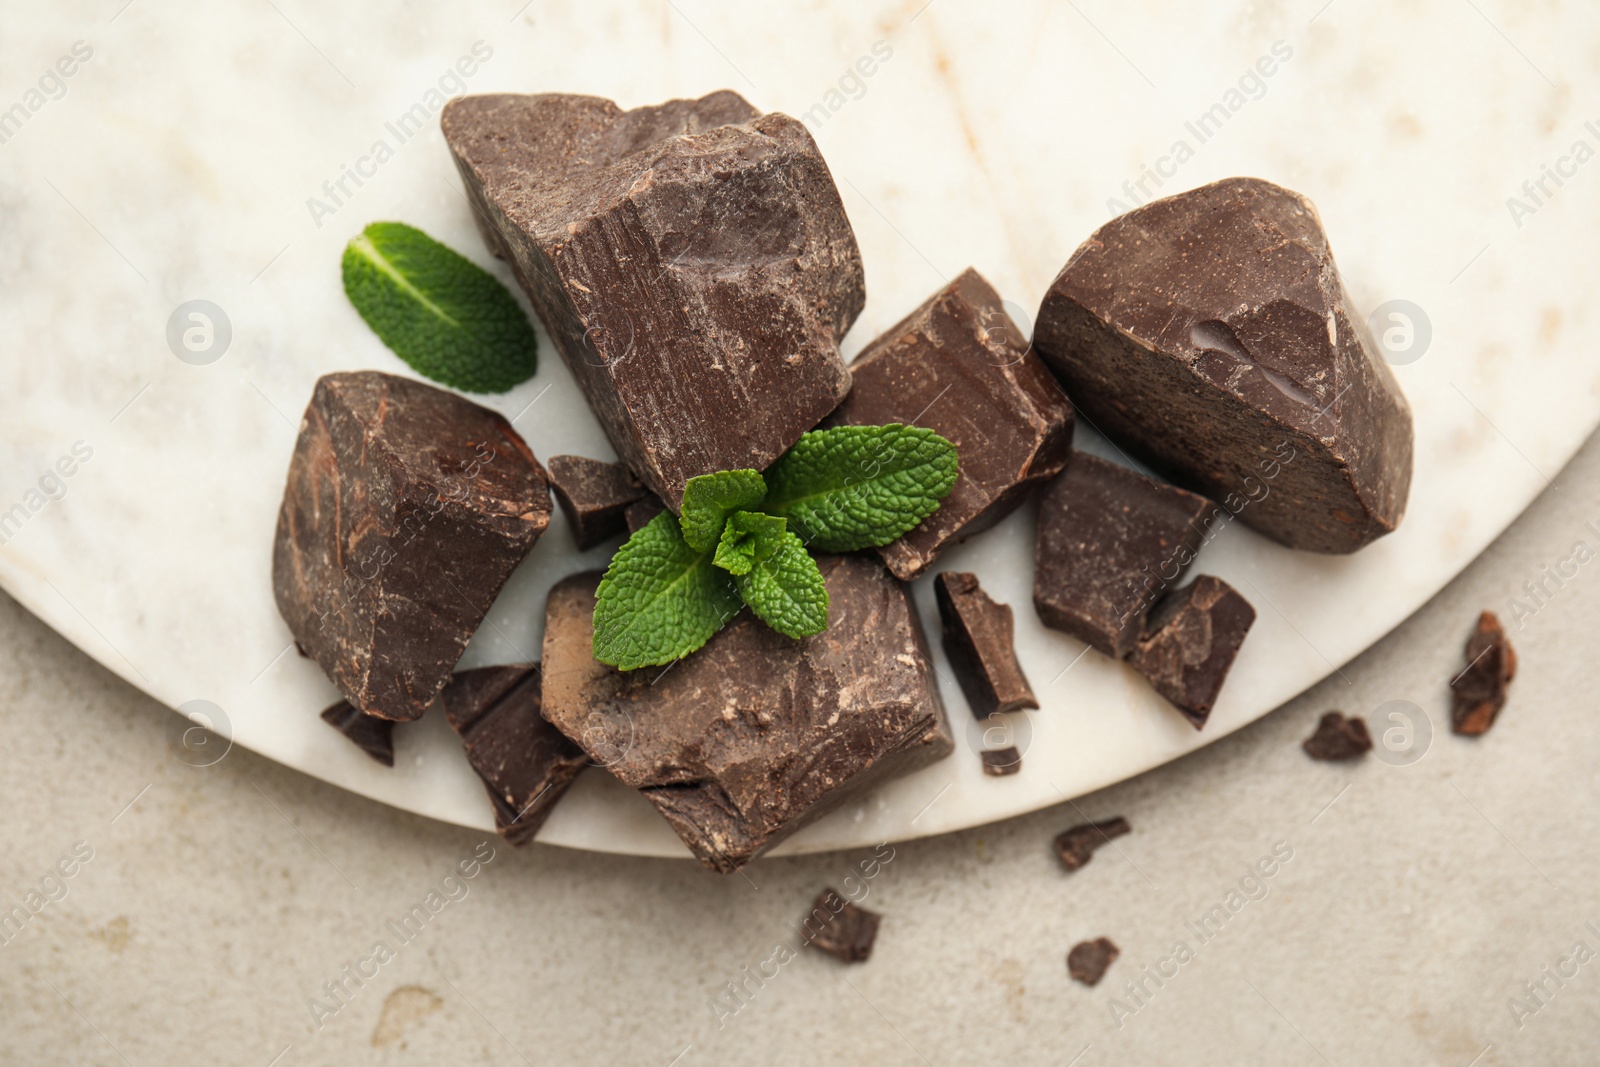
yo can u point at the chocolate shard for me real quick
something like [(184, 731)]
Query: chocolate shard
[(525, 763), (836, 926), (1110, 541), (1075, 846), (958, 365), (1088, 960), (1338, 738), (691, 261), (406, 510), (756, 734), (979, 638), (1190, 642), (372, 735), (640, 512), (999, 762), (594, 496), (1479, 692), (1209, 333)]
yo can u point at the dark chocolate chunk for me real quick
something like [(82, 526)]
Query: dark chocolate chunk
[(1110, 542), (372, 735), (692, 262), (755, 735), (959, 366), (1338, 738), (406, 510), (1075, 847), (594, 496), (525, 763), (1189, 644), (1088, 960), (1209, 334), (999, 762), (979, 639), (1479, 692), (640, 512), (839, 928)]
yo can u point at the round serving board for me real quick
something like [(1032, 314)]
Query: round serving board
[(203, 152)]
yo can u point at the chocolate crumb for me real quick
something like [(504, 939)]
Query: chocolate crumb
[(839, 928), (1001, 761), (1088, 960), (1075, 847), (1338, 738), (1480, 690), (372, 735)]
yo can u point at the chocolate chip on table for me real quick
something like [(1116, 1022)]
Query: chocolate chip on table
[(1075, 846), (1190, 642), (1338, 738), (1479, 692), (1088, 960), (839, 928), (979, 639), (999, 762), (372, 735), (594, 496)]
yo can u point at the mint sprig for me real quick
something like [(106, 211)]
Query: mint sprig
[(744, 537), (447, 317)]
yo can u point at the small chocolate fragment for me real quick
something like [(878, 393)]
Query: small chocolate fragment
[(1190, 642), (372, 735), (756, 734), (692, 262), (594, 496), (979, 638), (1209, 334), (999, 762), (525, 763), (839, 928), (1338, 738), (406, 510), (640, 512), (1479, 692), (1075, 847), (960, 367), (1110, 541), (1088, 960)]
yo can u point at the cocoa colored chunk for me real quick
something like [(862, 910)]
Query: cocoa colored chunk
[(1075, 847), (1190, 642), (406, 510), (594, 496), (1209, 334), (960, 367), (640, 512), (1479, 692), (1338, 738), (691, 261), (372, 735), (525, 763), (1088, 960), (999, 762), (979, 639), (755, 735), (839, 928), (1110, 541)]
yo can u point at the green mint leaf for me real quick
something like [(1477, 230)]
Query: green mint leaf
[(709, 499), (786, 591), (448, 318), (748, 538), (660, 599), (853, 487)]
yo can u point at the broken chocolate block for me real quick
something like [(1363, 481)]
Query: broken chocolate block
[(525, 763), (406, 510), (594, 496), (959, 366), (1110, 541), (1088, 960), (1190, 642), (756, 734), (839, 928), (978, 638), (1075, 847), (1479, 692), (640, 512), (1338, 738), (372, 735), (1209, 334), (691, 261), (999, 762)]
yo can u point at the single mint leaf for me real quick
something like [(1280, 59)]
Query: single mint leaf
[(660, 599), (709, 499), (853, 487), (447, 317), (748, 538), (786, 591)]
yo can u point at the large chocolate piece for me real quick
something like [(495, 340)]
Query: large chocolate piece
[(1110, 542), (959, 366), (692, 262), (594, 496), (372, 735), (1479, 692), (525, 763), (1210, 334), (755, 735), (406, 510), (979, 638), (1190, 642)]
